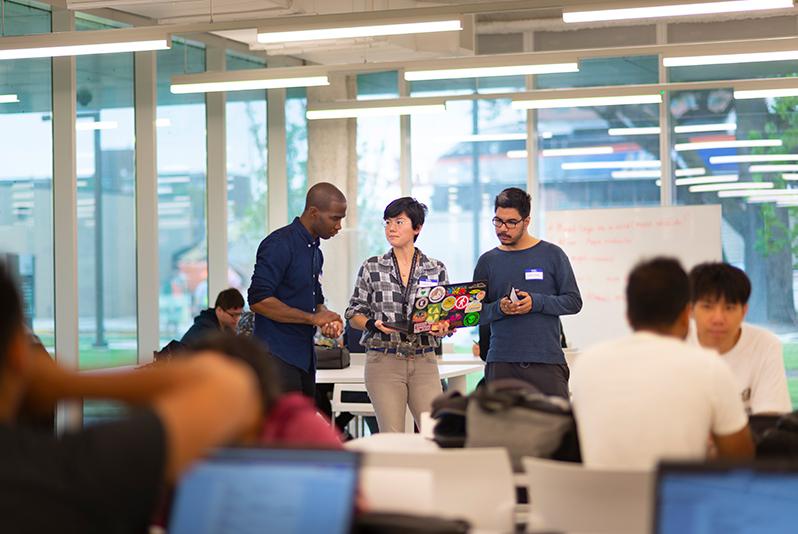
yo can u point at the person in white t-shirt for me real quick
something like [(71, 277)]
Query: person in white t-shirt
[(719, 299), (650, 396)]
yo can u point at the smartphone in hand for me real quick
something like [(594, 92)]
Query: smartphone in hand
[(513, 296)]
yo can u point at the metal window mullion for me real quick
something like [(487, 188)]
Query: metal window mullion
[(277, 159), (216, 191), (666, 163), (532, 164), (405, 146)]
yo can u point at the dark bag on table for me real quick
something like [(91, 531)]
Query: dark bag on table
[(331, 357), (393, 523)]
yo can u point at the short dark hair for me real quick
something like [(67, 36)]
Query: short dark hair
[(415, 211), (512, 197), (252, 353), (11, 318), (322, 195), (715, 280), (657, 292), (229, 299)]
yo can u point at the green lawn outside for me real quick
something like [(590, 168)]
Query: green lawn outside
[(791, 365)]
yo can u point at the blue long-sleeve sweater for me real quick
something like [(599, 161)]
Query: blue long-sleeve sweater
[(545, 273)]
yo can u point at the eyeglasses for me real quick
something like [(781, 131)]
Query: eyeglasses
[(234, 315), (509, 223), (399, 223)]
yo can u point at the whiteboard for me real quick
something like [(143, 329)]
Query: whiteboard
[(603, 245)]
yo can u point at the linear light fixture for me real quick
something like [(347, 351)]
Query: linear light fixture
[(243, 80), (696, 128), (87, 126), (376, 108), (517, 154), (707, 145), (790, 177), (582, 151), (476, 138), (701, 180), (552, 103), (765, 93), (163, 123), (352, 25), (487, 71), (8, 99), (693, 171), (773, 168), (761, 192), (756, 158), (762, 199), (729, 59), (621, 164), (658, 10), (81, 43), (731, 187), (654, 130), (631, 175)]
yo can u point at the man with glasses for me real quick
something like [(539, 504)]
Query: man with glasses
[(530, 285), (223, 316)]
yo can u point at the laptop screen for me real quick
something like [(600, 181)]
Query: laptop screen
[(717, 499), (242, 491)]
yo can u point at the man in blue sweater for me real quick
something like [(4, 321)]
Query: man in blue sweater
[(525, 326)]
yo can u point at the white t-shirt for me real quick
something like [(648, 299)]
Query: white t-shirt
[(757, 362), (648, 397)]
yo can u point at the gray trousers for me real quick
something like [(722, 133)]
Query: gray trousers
[(395, 383)]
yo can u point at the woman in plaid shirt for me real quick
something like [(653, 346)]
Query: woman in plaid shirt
[(401, 368)]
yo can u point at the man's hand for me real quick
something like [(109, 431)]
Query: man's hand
[(324, 317), (524, 305), (333, 330)]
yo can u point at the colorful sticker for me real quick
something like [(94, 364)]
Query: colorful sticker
[(418, 328), (423, 292), (422, 303), (474, 306), (448, 303), (471, 319), (433, 313), (420, 316), (480, 296), (437, 294), (461, 302)]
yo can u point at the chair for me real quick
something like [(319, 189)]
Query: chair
[(471, 484), (570, 497), (358, 409)]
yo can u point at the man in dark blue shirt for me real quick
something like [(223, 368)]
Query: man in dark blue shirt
[(525, 330), (286, 294)]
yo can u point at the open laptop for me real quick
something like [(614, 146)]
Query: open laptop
[(281, 491), (460, 304), (722, 498)]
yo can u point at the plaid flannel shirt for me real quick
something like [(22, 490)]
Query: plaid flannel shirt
[(379, 295)]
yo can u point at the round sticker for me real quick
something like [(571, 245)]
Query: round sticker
[(421, 303), (480, 296), (448, 303), (461, 302), (437, 294), (471, 319), (420, 316)]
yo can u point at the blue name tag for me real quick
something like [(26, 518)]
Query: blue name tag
[(533, 274)]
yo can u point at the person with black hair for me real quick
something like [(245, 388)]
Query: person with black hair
[(719, 295), (401, 368), (108, 477), (525, 326), (223, 316), (651, 396)]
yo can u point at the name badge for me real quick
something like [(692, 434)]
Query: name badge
[(533, 274), (427, 282)]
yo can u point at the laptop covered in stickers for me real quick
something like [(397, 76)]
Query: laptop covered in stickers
[(459, 304)]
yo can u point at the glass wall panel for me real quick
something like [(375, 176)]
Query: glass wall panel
[(246, 175), (26, 183), (296, 132), (182, 192), (603, 71)]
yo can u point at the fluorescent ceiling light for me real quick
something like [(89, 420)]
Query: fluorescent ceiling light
[(789, 177), (586, 14), (759, 158), (516, 154), (622, 164), (765, 93), (729, 59), (587, 102), (695, 128), (82, 43), (694, 171), (547, 135), (84, 126), (243, 80), (759, 193), (583, 151), (485, 72), (364, 29), (628, 175), (779, 199), (655, 130), (748, 186), (475, 138), (681, 147), (8, 99), (700, 180), (376, 108), (773, 168), (163, 123)]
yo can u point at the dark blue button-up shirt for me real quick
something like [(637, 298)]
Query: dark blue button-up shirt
[(287, 268)]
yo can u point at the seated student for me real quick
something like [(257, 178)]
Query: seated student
[(223, 316), (285, 419), (651, 396), (719, 298), (106, 478)]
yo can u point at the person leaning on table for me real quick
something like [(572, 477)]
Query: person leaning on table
[(401, 369)]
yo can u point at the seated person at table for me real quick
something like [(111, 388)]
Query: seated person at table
[(106, 478), (223, 316), (719, 298), (651, 396)]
